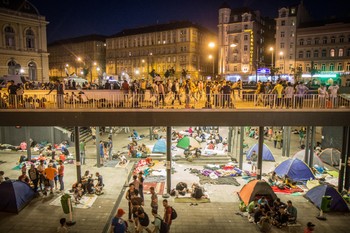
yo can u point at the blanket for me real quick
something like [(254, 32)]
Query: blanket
[(158, 187), (191, 200), (86, 201), (286, 190)]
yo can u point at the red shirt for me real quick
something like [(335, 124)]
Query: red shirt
[(61, 170), (167, 215)]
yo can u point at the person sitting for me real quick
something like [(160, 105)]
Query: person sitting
[(289, 182), (197, 191), (24, 178), (211, 146), (99, 186), (187, 151), (292, 212), (280, 218), (277, 204), (198, 153), (90, 187), (263, 201), (181, 188), (265, 223), (78, 193), (122, 159), (273, 178), (259, 213)]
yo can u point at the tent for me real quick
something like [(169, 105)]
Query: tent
[(267, 154), (14, 196), (316, 193), (294, 168), (255, 189), (188, 141), (159, 146), (316, 160), (330, 156)]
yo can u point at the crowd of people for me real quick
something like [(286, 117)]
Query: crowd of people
[(216, 94)]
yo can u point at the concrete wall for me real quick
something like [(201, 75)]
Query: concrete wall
[(332, 137), (14, 136)]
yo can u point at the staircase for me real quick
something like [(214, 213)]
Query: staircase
[(84, 132)]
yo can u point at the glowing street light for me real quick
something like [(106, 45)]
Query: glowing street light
[(211, 45)]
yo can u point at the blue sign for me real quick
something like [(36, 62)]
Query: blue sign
[(264, 71)]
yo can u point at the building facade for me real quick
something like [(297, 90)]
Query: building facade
[(83, 56), (287, 22), (23, 44), (323, 49), (177, 46), (242, 36)]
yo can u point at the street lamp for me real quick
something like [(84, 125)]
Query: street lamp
[(211, 57), (282, 57), (271, 49)]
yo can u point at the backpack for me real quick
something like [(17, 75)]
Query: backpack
[(163, 226), (173, 213), (173, 88), (144, 221)]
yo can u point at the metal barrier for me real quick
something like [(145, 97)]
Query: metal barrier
[(171, 101)]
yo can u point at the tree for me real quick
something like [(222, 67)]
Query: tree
[(297, 73)]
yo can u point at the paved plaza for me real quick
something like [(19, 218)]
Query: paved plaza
[(217, 216)]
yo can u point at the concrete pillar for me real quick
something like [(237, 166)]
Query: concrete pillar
[(28, 141), (260, 152), (288, 141), (77, 152), (312, 144), (97, 142), (307, 149), (240, 161), (52, 134), (168, 159), (229, 139), (343, 157)]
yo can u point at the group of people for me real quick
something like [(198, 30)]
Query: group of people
[(87, 186), (137, 213), (266, 214)]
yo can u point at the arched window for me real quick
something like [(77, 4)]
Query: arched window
[(13, 67), (30, 39), (331, 67), (32, 71), (10, 37)]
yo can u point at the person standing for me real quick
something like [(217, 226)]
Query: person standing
[(109, 148), (333, 94), (59, 93), (157, 221), (50, 174), (118, 224), (167, 213), (34, 176), (300, 92), (322, 96), (141, 180), (154, 199), (102, 152), (82, 148), (129, 195), (60, 175), (254, 161), (12, 91)]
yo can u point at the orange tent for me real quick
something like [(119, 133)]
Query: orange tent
[(256, 189)]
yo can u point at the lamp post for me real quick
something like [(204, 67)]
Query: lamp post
[(282, 57), (211, 57), (271, 49), (211, 45)]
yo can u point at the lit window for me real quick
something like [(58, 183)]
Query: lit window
[(332, 53), (341, 53)]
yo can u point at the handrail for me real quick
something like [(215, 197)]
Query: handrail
[(115, 100)]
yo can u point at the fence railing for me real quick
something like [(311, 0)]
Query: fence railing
[(172, 101)]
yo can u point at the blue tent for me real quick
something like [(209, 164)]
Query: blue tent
[(316, 193), (267, 154), (159, 146), (14, 196), (295, 169)]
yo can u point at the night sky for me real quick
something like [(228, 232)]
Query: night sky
[(72, 18)]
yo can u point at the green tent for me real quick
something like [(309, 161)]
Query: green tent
[(186, 141)]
